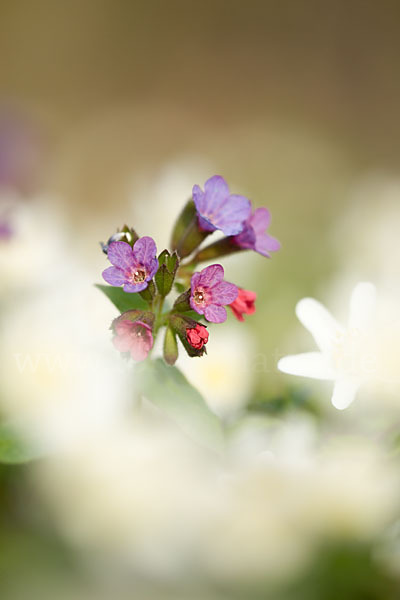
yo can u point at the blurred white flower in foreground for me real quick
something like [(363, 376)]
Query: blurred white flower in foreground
[(60, 376), (141, 497), (33, 254), (345, 352)]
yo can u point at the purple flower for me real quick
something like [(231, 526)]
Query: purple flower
[(218, 209), (209, 293), (254, 236), (133, 267)]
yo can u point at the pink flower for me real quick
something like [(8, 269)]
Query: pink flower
[(244, 304), (254, 235), (197, 336), (210, 293), (135, 337)]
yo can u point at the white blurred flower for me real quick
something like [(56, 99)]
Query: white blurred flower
[(141, 497), (367, 239), (345, 352), (59, 373), (33, 255), (137, 493)]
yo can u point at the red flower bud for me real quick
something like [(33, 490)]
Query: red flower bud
[(197, 336), (244, 304)]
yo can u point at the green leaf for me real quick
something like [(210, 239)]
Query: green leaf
[(162, 259), (172, 263), (180, 288), (164, 280), (121, 299), (170, 391), (13, 450)]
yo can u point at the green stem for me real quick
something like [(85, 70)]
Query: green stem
[(159, 316)]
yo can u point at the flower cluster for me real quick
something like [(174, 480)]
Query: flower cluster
[(147, 279)]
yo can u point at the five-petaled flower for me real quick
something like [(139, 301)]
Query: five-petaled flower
[(135, 337), (345, 353), (197, 336), (210, 293), (218, 209), (244, 304), (133, 267), (254, 236)]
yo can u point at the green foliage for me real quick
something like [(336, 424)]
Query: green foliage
[(347, 572), (298, 399), (121, 300), (169, 390), (180, 287), (13, 450)]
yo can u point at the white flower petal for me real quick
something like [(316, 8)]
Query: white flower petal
[(344, 393), (362, 306), (320, 323), (309, 364)]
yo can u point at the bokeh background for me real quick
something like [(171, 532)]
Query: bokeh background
[(110, 111)]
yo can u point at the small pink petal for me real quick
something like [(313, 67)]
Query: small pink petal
[(215, 313), (211, 275), (260, 220), (224, 293)]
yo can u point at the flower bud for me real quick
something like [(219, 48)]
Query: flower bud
[(126, 234), (149, 293), (182, 303), (187, 235), (192, 334), (170, 347), (220, 248), (197, 336)]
